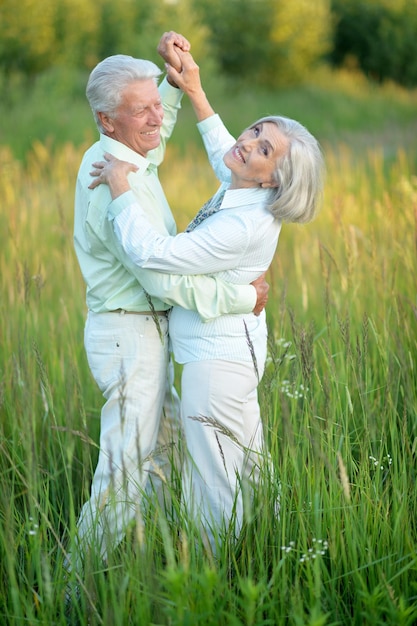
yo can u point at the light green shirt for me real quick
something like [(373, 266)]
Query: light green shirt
[(112, 279)]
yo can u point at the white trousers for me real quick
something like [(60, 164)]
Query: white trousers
[(224, 436), (130, 362)]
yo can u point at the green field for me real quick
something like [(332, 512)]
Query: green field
[(339, 397)]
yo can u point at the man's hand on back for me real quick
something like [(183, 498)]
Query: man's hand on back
[(262, 289)]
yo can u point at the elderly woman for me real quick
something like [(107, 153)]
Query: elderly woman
[(271, 174)]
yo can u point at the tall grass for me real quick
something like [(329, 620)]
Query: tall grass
[(338, 401)]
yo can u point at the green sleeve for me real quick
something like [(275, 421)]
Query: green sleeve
[(208, 295)]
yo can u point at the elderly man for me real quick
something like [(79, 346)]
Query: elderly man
[(126, 332)]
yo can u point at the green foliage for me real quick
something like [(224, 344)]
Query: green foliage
[(265, 42), (258, 42), (27, 37), (38, 35), (378, 36), (241, 35)]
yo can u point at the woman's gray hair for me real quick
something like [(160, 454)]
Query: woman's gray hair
[(110, 77), (299, 173)]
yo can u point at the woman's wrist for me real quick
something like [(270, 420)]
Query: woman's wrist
[(118, 186)]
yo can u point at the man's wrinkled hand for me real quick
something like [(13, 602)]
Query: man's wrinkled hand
[(169, 43), (188, 79), (262, 288)]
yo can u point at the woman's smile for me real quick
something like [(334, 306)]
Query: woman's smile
[(253, 158)]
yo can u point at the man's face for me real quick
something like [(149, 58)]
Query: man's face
[(138, 118)]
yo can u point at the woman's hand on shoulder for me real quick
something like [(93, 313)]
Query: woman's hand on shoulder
[(112, 172)]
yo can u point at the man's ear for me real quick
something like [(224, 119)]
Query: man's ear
[(106, 121)]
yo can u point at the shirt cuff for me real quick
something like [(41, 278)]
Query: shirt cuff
[(120, 204), (245, 300), (209, 123), (170, 95)]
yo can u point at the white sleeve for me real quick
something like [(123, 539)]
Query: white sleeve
[(217, 141), (216, 247)]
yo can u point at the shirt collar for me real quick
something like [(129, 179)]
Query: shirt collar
[(124, 153), (238, 197)]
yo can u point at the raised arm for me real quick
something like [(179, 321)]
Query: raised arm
[(171, 95), (188, 79), (169, 46)]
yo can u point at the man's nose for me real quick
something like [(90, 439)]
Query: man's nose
[(156, 114)]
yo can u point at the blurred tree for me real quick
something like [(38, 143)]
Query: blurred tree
[(127, 27), (398, 45), (378, 36), (262, 42), (89, 33), (38, 34), (302, 36), (240, 31), (27, 35), (77, 32), (183, 17), (268, 42)]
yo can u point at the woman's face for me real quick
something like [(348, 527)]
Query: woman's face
[(253, 158)]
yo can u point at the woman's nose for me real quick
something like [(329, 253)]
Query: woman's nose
[(248, 144)]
